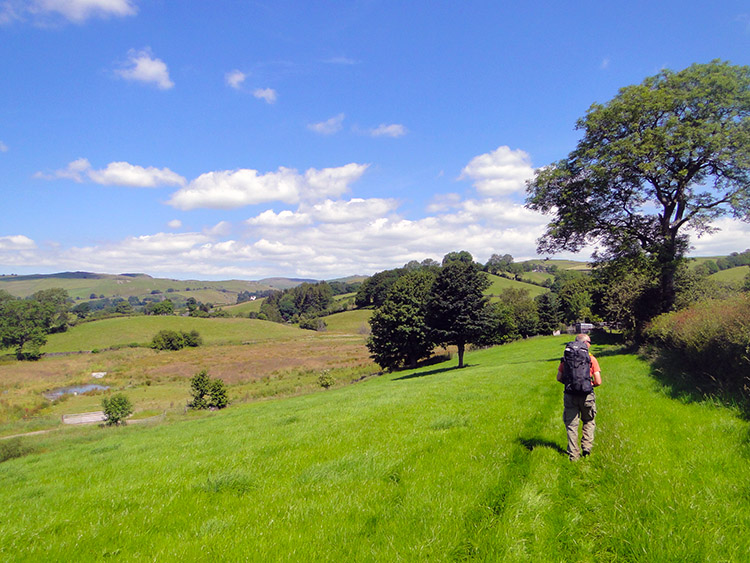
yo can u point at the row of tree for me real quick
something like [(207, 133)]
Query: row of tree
[(418, 309)]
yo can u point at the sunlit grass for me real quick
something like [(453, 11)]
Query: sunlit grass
[(437, 464)]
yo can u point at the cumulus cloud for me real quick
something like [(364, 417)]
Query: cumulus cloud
[(328, 127), (393, 130), (229, 189), (3, 147), (141, 66), (235, 79), (285, 218), (16, 242), (267, 94), (117, 174), (174, 224), (502, 172), (354, 210), (126, 174)]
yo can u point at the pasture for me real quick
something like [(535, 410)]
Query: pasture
[(433, 464)]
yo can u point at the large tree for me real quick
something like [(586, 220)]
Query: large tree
[(457, 310), (661, 158), (400, 335)]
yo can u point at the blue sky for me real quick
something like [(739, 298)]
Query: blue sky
[(233, 139)]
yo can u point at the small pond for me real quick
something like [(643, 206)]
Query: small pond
[(73, 390)]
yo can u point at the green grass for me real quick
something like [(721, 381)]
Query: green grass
[(732, 275), (350, 322), (500, 284), (437, 464), (141, 329)]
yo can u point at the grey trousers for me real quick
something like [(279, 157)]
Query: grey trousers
[(583, 408)]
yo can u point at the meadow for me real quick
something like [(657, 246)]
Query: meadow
[(257, 359), (435, 464)]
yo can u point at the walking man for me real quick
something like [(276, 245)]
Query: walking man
[(579, 372)]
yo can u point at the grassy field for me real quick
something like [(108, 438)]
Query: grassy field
[(500, 284), (436, 464), (732, 275), (257, 359), (141, 329)]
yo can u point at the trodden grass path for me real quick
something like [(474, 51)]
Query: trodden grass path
[(436, 464)]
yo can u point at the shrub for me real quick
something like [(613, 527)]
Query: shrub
[(173, 340), (12, 448), (712, 338), (117, 408), (326, 380), (317, 324), (207, 393)]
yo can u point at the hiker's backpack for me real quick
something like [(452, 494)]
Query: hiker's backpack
[(577, 368)]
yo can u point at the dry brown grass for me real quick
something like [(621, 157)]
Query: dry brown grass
[(161, 376)]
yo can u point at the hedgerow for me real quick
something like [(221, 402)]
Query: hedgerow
[(712, 340)]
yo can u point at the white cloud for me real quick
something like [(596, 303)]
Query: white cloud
[(174, 224), (3, 147), (352, 211), (267, 94), (117, 174), (499, 173), (126, 174), (732, 236), (235, 78), (604, 64), (143, 67), (328, 127), (76, 11), (393, 130), (332, 181), (229, 189), (16, 242), (74, 171), (284, 218)]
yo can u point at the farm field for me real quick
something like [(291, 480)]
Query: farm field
[(434, 464), (731, 275), (500, 284), (257, 359)]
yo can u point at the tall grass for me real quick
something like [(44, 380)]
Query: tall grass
[(436, 464)]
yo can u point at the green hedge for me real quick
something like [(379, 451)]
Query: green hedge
[(712, 340)]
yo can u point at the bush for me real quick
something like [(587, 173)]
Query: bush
[(712, 339), (207, 393), (12, 448), (326, 380), (317, 324), (117, 408), (173, 340)]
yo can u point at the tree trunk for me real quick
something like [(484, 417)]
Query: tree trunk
[(461, 349)]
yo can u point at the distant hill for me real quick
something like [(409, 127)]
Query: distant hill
[(82, 286)]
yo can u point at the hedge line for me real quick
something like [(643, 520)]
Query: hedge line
[(712, 340)]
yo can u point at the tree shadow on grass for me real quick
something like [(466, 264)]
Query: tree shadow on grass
[(426, 373), (680, 382), (532, 443)]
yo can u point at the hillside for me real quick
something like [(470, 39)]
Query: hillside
[(434, 464), (81, 285)]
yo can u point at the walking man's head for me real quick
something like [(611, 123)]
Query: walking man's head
[(584, 338)]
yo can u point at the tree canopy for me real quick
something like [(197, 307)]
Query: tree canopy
[(663, 157)]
